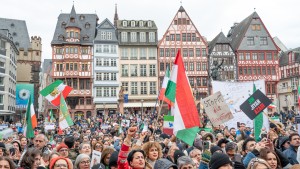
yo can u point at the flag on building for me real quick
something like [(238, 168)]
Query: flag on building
[(51, 117), (30, 120), (168, 125), (53, 91), (65, 119), (164, 86), (178, 91), (258, 121)]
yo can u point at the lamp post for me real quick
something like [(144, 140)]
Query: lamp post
[(142, 101)]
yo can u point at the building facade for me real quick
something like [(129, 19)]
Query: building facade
[(289, 80), (106, 69), (8, 75), (182, 34), (221, 54), (72, 59), (257, 53), (138, 63)]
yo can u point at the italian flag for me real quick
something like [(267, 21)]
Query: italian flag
[(186, 118), (168, 125), (53, 91), (30, 120), (65, 119), (164, 86)]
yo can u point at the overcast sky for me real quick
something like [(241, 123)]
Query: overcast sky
[(210, 16)]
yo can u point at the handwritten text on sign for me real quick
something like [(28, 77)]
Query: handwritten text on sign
[(217, 109)]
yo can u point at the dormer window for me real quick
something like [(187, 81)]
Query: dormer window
[(60, 37), (132, 23), (63, 25), (12, 25), (149, 24), (72, 20), (124, 23), (86, 37), (82, 17), (141, 23), (87, 25)]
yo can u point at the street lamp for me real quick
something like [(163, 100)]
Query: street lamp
[(142, 101)]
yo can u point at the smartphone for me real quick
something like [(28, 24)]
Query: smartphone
[(12, 151), (238, 124), (206, 145), (237, 158)]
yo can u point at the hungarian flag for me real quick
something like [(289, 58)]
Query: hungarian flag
[(30, 120), (186, 118), (53, 91), (164, 86), (65, 119), (168, 125)]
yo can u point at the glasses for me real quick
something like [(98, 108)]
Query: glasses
[(85, 162), (98, 146), (61, 165), (86, 147)]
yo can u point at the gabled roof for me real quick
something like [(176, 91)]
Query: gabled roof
[(284, 56), (280, 44), (219, 39), (181, 9), (18, 30), (237, 32), (47, 65), (81, 20), (106, 25)]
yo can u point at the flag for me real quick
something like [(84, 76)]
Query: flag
[(258, 121), (65, 119), (53, 91), (50, 117), (178, 91), (168, 125), (164, 86), (30, 120), (271, 106)]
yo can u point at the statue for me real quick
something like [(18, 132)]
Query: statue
[(215, 70)]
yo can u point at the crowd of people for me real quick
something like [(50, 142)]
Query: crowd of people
[(125, 144)]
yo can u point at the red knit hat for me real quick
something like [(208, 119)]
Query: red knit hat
[(53, 161), (60, 146)]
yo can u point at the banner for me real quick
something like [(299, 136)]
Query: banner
[(216, 109), (235, 93), (49, 126), (23, 91), (255, 104)]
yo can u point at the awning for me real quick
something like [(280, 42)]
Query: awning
[(139, 104), (106, 106)]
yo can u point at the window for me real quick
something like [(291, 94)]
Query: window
[(172, 37), (124, 24), (193, 37), (250, 41), (186, 66), (124, 37), (103, 35), (254, 56), (1, 80), (105, 48), (152, 87), (142, 36), (204, 67), (149, 24), (263, 41), (59, 51), (98, 76), (106, 62), (262, 56), (162, 52), (113, 48), (188, 37), (1, 99), (151, 36), (258, 70), (167, 38), (98, 91), (124, 70), (191, 66), (263, 70), (185, 52), (105, 76), (167, 50), (109, 35), (204, 81), (198, 52), (81, 84), (152, 53), (84, 50), (106, 91), (198, 66), (67, 66), (274, 71), (143, 88), (59, 67), (133, 70), (113, 91), (177, 37), (162, 66), (98, 62), (141, 23), (191, 80), (191, 52), (143, 70), (143, 54), (248, 56), (172, 52), (225, 47), (134, 53), (249, 71), (152, 70), (125, 86), (132, 23), (113, 62), (269, 56), (98, 48), (241, 56), (134, 90), (184, 37), (203, 52), (113, 76), (198, 81), (255, 27), (124, 53), (133, 36), (241, 71), (87, 84)]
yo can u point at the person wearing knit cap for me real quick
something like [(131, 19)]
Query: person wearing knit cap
[(214, 149), (63, 150), (164, 164), (59, 162), (82, 161), (177, 154), (220, 160)]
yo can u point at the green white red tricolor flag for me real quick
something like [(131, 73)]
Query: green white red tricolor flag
[(30, 120), (65, 119), (168, 125), (53, 91), (186, 118), (164, 86)]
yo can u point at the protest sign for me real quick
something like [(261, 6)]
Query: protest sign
[(49, 126), (125, 123), (255, 104), (216, 109), (96, 156)]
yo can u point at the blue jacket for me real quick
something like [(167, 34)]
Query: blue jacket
[(291, 154)]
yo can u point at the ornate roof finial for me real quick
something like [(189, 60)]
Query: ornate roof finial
[(73, 2), (181, 3), (254, 9), (116, 17)]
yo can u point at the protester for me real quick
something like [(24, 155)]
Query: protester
[(291, 152), (31, 159), (6, 163), (59, 162), (257, 163), (82, 161)]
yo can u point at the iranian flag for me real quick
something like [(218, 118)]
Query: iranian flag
[(164, 86), (168, 125), (30, 120), (53, 91), (65, 119), (186, 118), (272, 106), (50, 117)]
